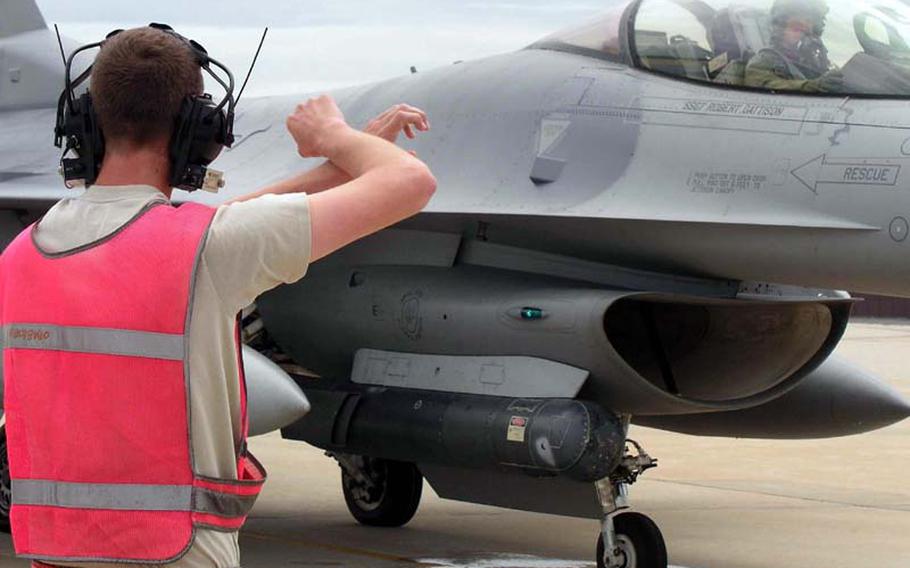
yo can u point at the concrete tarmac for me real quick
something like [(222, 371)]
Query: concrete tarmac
[(720, 503)]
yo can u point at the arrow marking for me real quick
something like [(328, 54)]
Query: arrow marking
[(847, 171)]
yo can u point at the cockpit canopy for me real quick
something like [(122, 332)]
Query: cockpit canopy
[(820, 47)]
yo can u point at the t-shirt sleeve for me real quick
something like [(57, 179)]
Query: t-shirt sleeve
[(256, 245)]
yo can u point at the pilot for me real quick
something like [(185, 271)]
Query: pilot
[(125, 397), (797, 59)]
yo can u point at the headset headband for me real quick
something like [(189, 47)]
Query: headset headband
[(202, 128)]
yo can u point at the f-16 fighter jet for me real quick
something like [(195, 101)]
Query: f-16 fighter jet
[(645, 219)]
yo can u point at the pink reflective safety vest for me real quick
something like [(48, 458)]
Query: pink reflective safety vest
[(97, 397)]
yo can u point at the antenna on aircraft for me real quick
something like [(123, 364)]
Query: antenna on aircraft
[(253, 64), (60, 43)]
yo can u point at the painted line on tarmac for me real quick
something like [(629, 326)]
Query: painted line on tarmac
[(506, 561), (509, 561), (349, 550), (901, 507)]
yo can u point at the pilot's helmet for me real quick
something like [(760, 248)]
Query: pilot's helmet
[(813, 10)]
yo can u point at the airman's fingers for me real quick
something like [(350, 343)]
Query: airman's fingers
[(408, 108), (411, 119), (425, 121), (401, 118), (386, 114)]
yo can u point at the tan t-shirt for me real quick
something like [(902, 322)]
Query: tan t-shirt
[(252, 247)]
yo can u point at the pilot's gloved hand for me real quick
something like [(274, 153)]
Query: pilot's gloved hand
[(830, 82)]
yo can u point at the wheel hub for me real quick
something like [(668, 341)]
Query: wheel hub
[(369, 493), (623, 555), (626, 552)]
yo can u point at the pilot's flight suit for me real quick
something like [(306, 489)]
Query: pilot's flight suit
[(771, 70), (250, 247)]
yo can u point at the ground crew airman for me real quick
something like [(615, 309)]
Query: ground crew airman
[(124, 392)]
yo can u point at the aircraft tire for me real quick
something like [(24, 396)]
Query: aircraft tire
[(641, 542), (5, 484), (393, 500)]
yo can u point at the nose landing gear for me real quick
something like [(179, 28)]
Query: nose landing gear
[(628, 540), (387, 493), (637, 543)]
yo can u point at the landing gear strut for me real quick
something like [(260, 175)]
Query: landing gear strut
[(6, 492), (627, 540), (380, 493)]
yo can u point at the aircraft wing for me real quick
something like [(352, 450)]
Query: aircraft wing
[(28, 160), (32, 72)]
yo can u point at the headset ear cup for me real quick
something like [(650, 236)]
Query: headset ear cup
[(95, 134), (178, 149), (213, 142), (79, 126), (199, 136)]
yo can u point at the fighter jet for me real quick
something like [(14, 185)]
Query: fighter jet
[(645, 219)]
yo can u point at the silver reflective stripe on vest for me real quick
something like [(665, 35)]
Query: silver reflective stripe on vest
[(102, 496), (95, 340), (222, 504), (130, 497)]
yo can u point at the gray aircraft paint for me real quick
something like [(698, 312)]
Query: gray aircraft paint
[(492, 376), (274, 399), (621, 209)]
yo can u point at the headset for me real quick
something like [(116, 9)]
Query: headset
[(202, 128)]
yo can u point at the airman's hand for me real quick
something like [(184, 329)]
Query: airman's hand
[(400, 118), (314, 124)]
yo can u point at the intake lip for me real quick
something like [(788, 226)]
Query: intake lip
[(723, 353)]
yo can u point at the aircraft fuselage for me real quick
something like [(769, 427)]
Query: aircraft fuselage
[(568, 154)]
